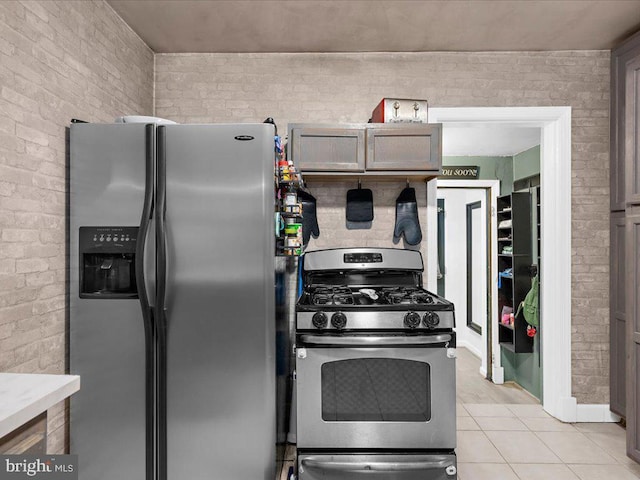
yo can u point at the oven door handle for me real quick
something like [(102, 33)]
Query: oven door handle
[(375, 466), (375, 341)]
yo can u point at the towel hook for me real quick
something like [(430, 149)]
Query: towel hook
[(407, 182)]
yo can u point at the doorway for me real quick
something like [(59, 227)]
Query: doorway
[(468, 240), (464, 251), (555, 152)]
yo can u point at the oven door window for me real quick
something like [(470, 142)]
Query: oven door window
[(376, 390)]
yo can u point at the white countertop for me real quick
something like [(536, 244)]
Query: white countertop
[(24, 396)]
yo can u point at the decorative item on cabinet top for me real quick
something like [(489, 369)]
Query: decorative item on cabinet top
[(400, 110), (367, 149)]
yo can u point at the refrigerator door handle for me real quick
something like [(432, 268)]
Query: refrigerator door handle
[(161, 317), (160, 217), (145, 221), (147, 311)]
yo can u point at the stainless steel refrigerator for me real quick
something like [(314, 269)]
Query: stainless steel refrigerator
[(171, 300)]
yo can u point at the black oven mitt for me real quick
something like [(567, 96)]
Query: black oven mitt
[(359, 205), (309, 218), (407, 222)]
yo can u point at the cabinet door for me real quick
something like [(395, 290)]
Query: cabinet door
[(632, 310), (326, 149), (618, 334), (632, 131), (404, 147), (617, 130)]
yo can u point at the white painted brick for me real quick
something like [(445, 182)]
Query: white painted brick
[(19, 235), (30, 265), (58, 60)]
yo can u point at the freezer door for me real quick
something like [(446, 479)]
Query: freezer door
[(107, 337), (219, 300)]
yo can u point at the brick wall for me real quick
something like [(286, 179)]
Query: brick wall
[(58, 60), (346, 87), (331, 197)]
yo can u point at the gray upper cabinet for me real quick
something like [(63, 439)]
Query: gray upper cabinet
[(317, 148), (632, 129), (367, 149), (624, 148), (404, 147)]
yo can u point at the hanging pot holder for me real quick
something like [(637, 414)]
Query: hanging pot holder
[(309, 217), (359, 205), (407, 223)]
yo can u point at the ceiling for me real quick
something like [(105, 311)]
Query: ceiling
[(236, 26), (484, 140)]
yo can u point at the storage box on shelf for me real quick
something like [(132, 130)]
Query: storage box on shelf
[(368, 149), (514, 262)]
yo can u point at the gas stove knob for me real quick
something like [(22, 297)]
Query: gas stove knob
[(339, 320), (431, 319), (319, 320), (412, 320)]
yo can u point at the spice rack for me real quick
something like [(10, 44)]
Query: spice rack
[(288, 209)]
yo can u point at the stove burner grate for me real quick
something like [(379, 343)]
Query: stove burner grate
[(406, 295), (421, 298), (332, 296), (342, 295)]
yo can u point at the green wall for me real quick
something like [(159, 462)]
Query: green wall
[(506, 169), (491, 168), (524, 369), (527, 163)]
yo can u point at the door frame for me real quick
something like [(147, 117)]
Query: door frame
[(488, 369), (555, 278)]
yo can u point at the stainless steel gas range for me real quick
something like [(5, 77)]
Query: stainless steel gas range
[(375, 363)]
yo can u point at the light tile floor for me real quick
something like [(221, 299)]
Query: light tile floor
[(522, 442)]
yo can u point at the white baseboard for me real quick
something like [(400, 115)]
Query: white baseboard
[(565, 409), (596, 414), (570, 411), (498, 375)]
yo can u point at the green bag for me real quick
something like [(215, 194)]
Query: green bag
[(529, 305)]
